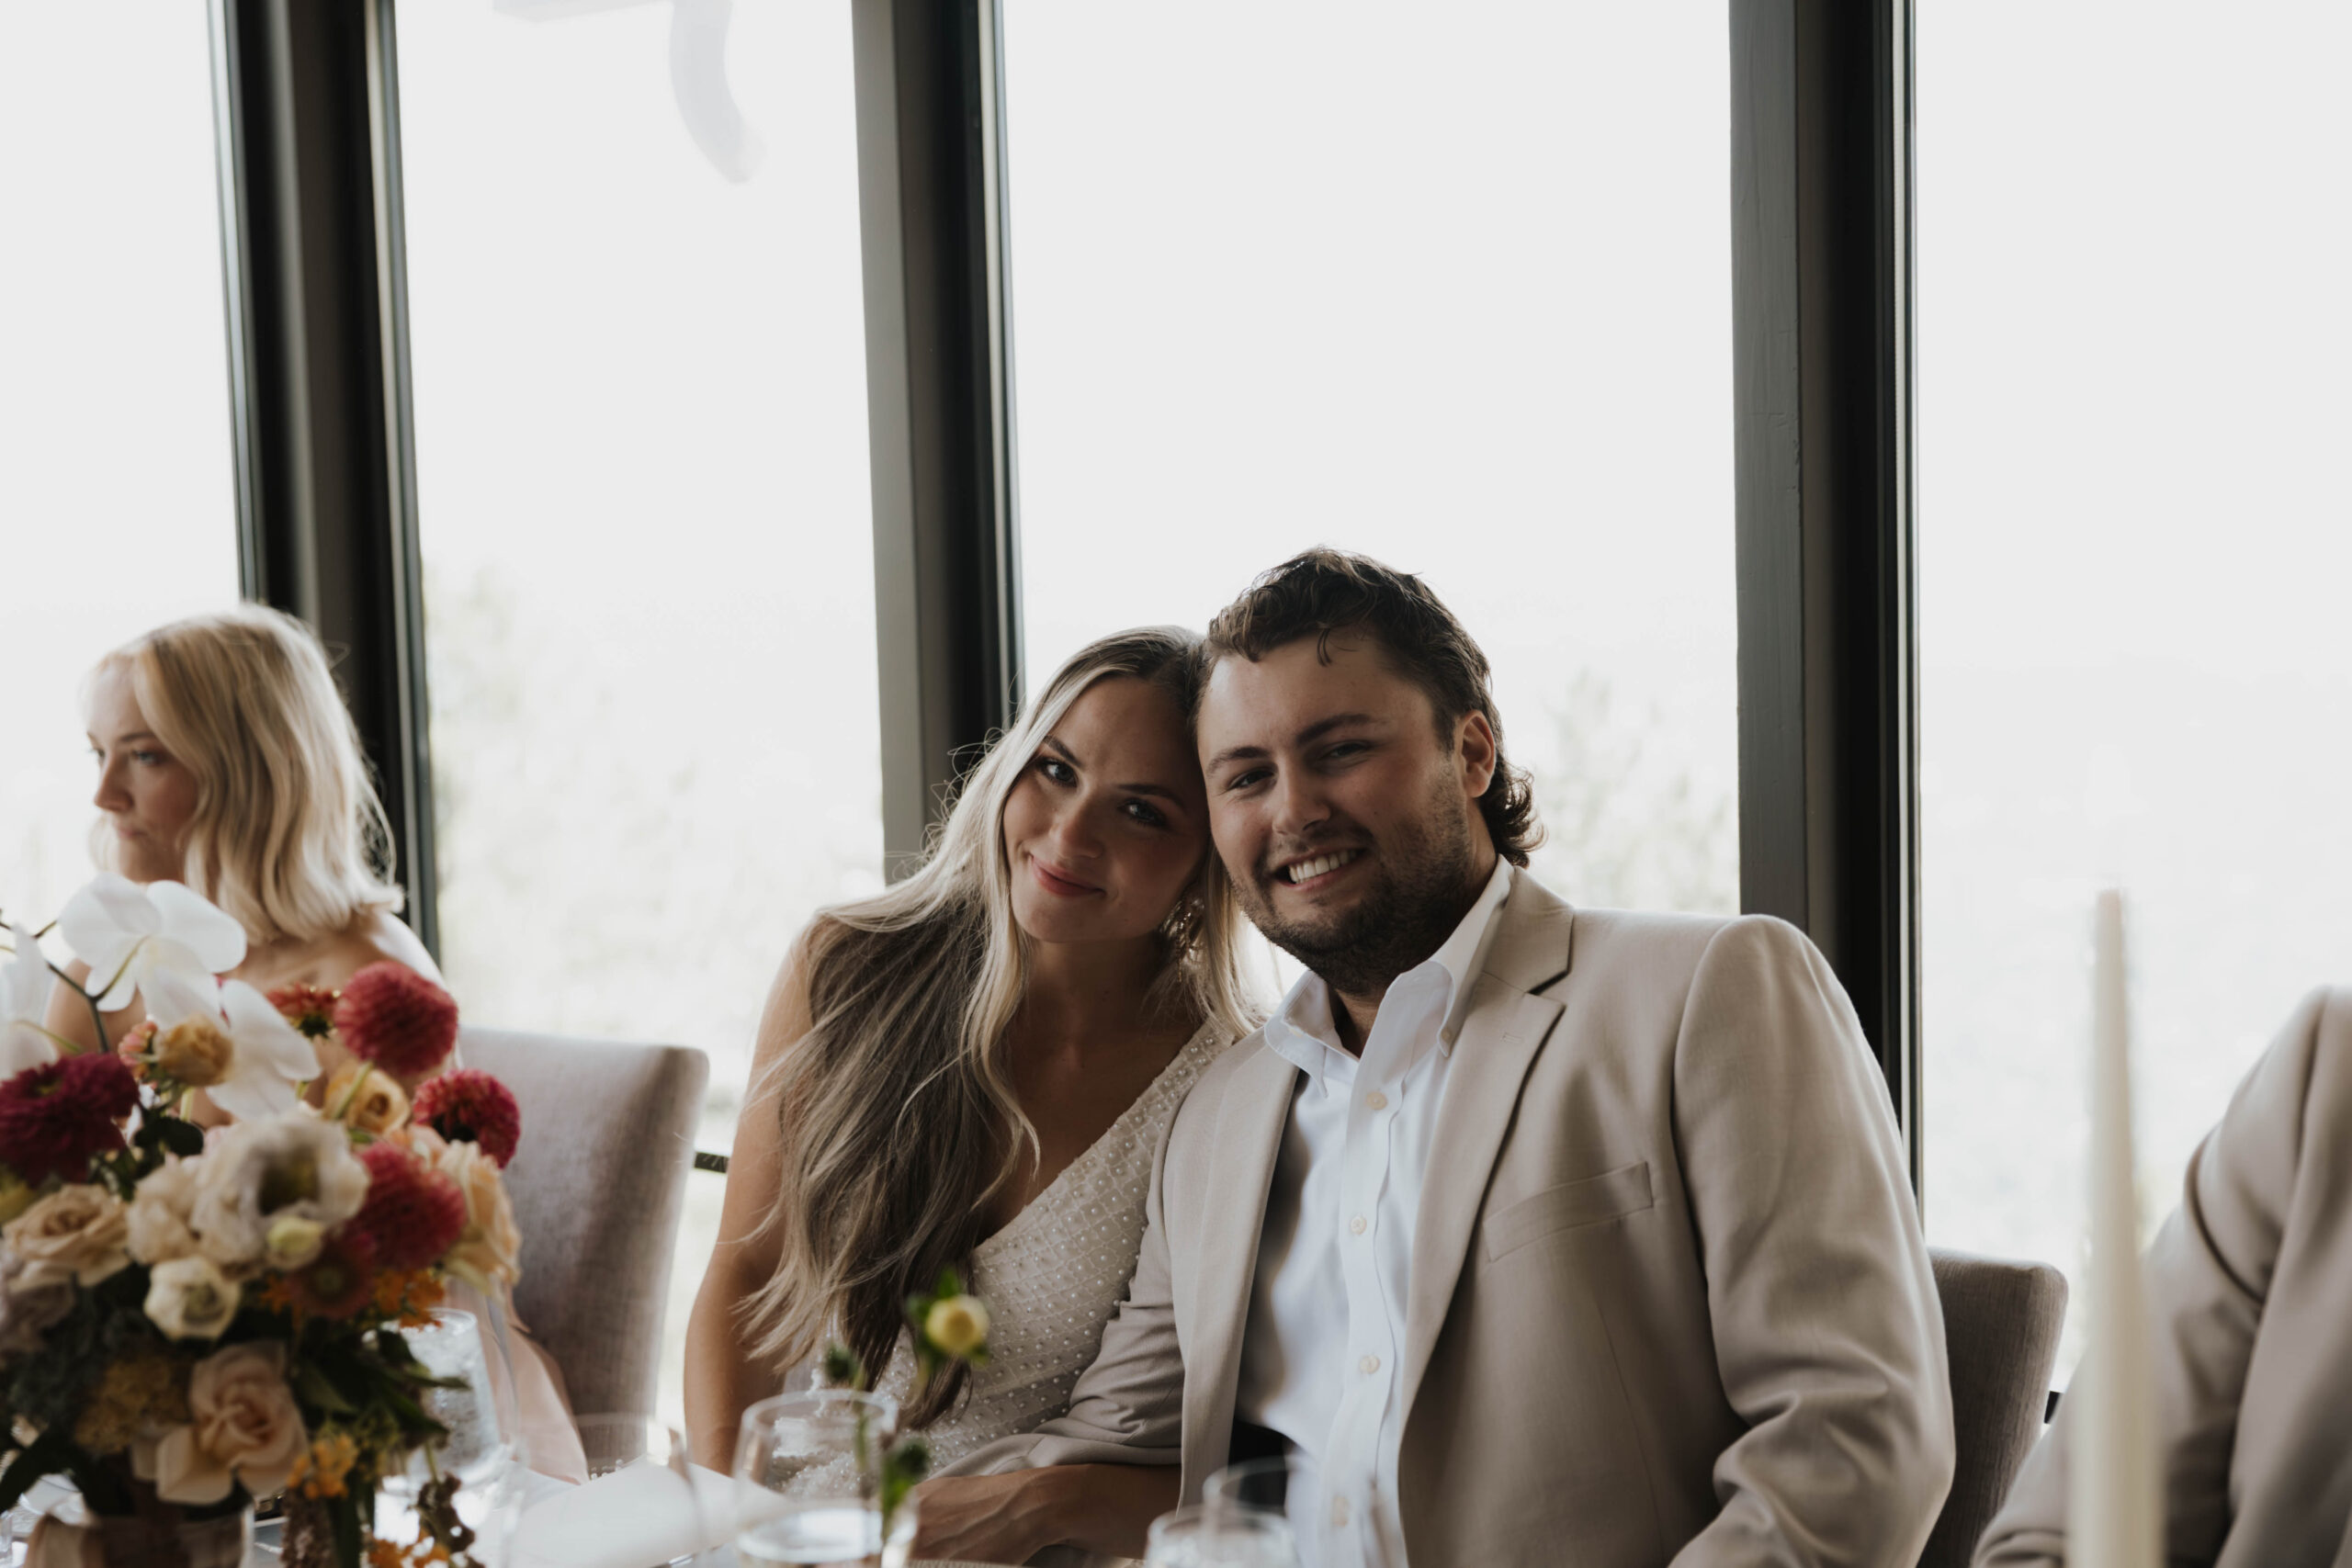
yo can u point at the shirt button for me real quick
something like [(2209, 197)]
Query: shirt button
[(1370, 1364), (1359, 1224), (1339, 1513), (1376, 1100)]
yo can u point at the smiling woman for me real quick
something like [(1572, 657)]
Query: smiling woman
[(972, 1071)]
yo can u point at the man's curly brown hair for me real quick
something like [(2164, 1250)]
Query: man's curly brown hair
[(1324, 591)]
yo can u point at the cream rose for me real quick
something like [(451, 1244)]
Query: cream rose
[(159, 1213), (32, 1300), (189, 1297), (244, 1430), (490, 1247), (365, 1099), (77, 1230)]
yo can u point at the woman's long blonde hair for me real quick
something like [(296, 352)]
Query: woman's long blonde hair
[(898, 1119), (287, 837)]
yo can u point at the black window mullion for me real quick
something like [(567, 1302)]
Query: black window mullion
[(1821, 327), (310, 200)]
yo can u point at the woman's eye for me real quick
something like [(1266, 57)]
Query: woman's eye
[(1146, 813), (151, 759), (1061, 772)]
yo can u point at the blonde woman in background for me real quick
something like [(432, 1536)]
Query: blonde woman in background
[(228, 762), (974, 1070)]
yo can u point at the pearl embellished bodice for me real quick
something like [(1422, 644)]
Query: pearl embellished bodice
[(1054, 1276)]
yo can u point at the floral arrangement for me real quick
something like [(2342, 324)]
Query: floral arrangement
[(944, 1326), (193, 1322)]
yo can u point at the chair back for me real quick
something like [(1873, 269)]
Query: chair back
[(608, 1132), (2001, 1325)]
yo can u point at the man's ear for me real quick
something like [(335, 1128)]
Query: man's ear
[(1474, 744)]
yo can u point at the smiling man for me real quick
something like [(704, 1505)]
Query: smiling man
[(1547, 1235)]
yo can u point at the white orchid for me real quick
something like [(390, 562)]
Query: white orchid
[(25, 1040), (128, 934), (267, 1057)]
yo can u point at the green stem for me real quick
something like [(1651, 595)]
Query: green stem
[(97, 1019)]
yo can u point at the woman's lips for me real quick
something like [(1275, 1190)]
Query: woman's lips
[(1054, 882)]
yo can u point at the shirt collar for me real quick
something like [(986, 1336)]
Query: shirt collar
[(1301, 1031)]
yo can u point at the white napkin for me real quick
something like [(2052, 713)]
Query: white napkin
[(636, 1516)]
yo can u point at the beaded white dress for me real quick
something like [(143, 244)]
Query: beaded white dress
[(1054, 1276)]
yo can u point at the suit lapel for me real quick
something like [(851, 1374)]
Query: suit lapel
[(1251, 1119), (1504, 1030)]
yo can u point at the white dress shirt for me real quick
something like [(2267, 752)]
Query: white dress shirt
[(1326, 1310)]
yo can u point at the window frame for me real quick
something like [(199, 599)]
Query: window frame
[(1821, 194)]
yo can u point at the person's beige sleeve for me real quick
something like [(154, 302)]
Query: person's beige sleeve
[(1127, 1408), (2208, 1274), (1827, 1332)]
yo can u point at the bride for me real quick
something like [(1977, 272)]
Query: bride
[(974, 1069)]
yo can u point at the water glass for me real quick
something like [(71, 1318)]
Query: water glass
[(478, 1450), (1288, 1487), (1224, 1536), (809, 1482)]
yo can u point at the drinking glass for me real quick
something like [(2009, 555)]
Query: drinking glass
[(640, 1508), (1285, 1487), (478, 1450), (1223, 1536), (809, 1482)]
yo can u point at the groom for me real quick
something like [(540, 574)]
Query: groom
[(1550, 1234)]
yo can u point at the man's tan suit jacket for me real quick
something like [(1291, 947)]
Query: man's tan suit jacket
[(1670, 1300), (2250, 1291)]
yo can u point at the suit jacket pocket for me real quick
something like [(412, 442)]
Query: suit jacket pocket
[(1587, 1202)]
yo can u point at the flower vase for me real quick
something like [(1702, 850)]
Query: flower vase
[(162, 1536), (308, 1539)]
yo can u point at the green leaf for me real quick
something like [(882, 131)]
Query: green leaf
[(46, 1455), (184, 1139), (317, 1389)]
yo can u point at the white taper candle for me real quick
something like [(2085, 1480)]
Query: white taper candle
[(2116, 1505)]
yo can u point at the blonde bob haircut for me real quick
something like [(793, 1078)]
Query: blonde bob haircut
[(287, 837), (899, 1120)]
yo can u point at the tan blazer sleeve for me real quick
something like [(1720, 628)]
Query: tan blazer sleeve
[(2209, 1273), (1127, 1408), (1827, 1332)]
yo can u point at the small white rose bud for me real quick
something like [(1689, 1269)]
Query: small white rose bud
[(957, 1326), (188, 1298), (291, 1241)]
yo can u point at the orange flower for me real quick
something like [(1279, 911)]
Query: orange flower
[(324, 1466), (409, 1295)]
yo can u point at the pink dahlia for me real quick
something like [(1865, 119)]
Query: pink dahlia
[(413, 1214), (467, 1103), (394, 1017), (310, 1008), (53, 1118)]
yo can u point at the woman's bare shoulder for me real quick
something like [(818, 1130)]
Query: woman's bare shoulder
[(375, 937)]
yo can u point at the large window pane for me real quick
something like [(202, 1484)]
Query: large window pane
[(118, 507), (642, 476), (2134, 538), (1448, 286)]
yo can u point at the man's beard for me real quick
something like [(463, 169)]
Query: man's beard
[(1420, 891)]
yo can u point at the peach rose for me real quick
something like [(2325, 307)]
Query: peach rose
[(365, 1099), (78, 1230), (195, 1050), (245, 1430), (490, 1247)]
